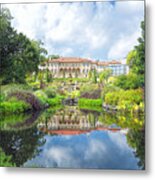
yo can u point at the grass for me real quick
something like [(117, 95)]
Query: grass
[(90, 102), (16, 106), (72, 79)]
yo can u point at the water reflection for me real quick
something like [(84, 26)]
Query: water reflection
[(99, 149), (74, 138), (72, 120), (21, 144)]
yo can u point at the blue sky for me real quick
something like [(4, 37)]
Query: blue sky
[(96, 30)]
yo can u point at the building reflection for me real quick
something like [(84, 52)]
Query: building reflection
[(73, 121)]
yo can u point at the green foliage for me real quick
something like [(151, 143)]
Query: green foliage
[(13, 106), (54, 101), (130, 81), (50, 92), (136, 58), (104, 75), (41, 96), (10, 88), (53, 56), (73, 80), (35, 85), (5, 161), (88, 87), (129, 99), (109, 88), (19, 55), (89, 102), (21, 145), (136, 139), (90, 91), (9, 120), (91, 108), (28, 98), (74, 94), (48, 76)]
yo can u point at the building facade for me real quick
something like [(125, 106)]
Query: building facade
[(71, 67)]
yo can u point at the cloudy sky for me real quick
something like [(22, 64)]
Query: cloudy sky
[(96, 30)]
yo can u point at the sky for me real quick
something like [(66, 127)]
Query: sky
[(95, 30)]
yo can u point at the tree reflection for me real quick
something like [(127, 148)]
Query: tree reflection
[(136, 139), (22, 145)]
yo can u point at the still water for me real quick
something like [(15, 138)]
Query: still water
[(70, 137)]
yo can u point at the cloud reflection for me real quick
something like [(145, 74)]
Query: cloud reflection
[(101, 149)]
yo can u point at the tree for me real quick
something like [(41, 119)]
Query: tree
[(136, 58), (94, 75), (19, 55), (130, 81), (104, 75), (53, 56)]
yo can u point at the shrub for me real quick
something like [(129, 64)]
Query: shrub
[(74, 94), (90, 91), (88, 87), (54, 101), (35, 85), (130, 81), (96, 94), (41, 96), (10, 88), (125, 99), (28, 98), (50, 92), (109, 88)]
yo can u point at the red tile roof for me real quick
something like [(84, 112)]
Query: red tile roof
[(114, 62), (70, 60), (81, 60), (103, 63)]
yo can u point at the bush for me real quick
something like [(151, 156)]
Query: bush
[(10, 88), (125, 99), (35, 85), (28, 98), (109, 88), (96, 94), (50, 92), (88, 87), (74, 94), (90, 91), (130, 81), (54, 101), (41, 96)]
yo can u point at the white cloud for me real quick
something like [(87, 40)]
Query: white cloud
[(123, 46), (98, 30)]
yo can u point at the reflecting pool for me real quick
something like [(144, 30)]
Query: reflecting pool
[(69, 137)]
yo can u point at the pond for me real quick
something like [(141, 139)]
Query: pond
[(70, 137)]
